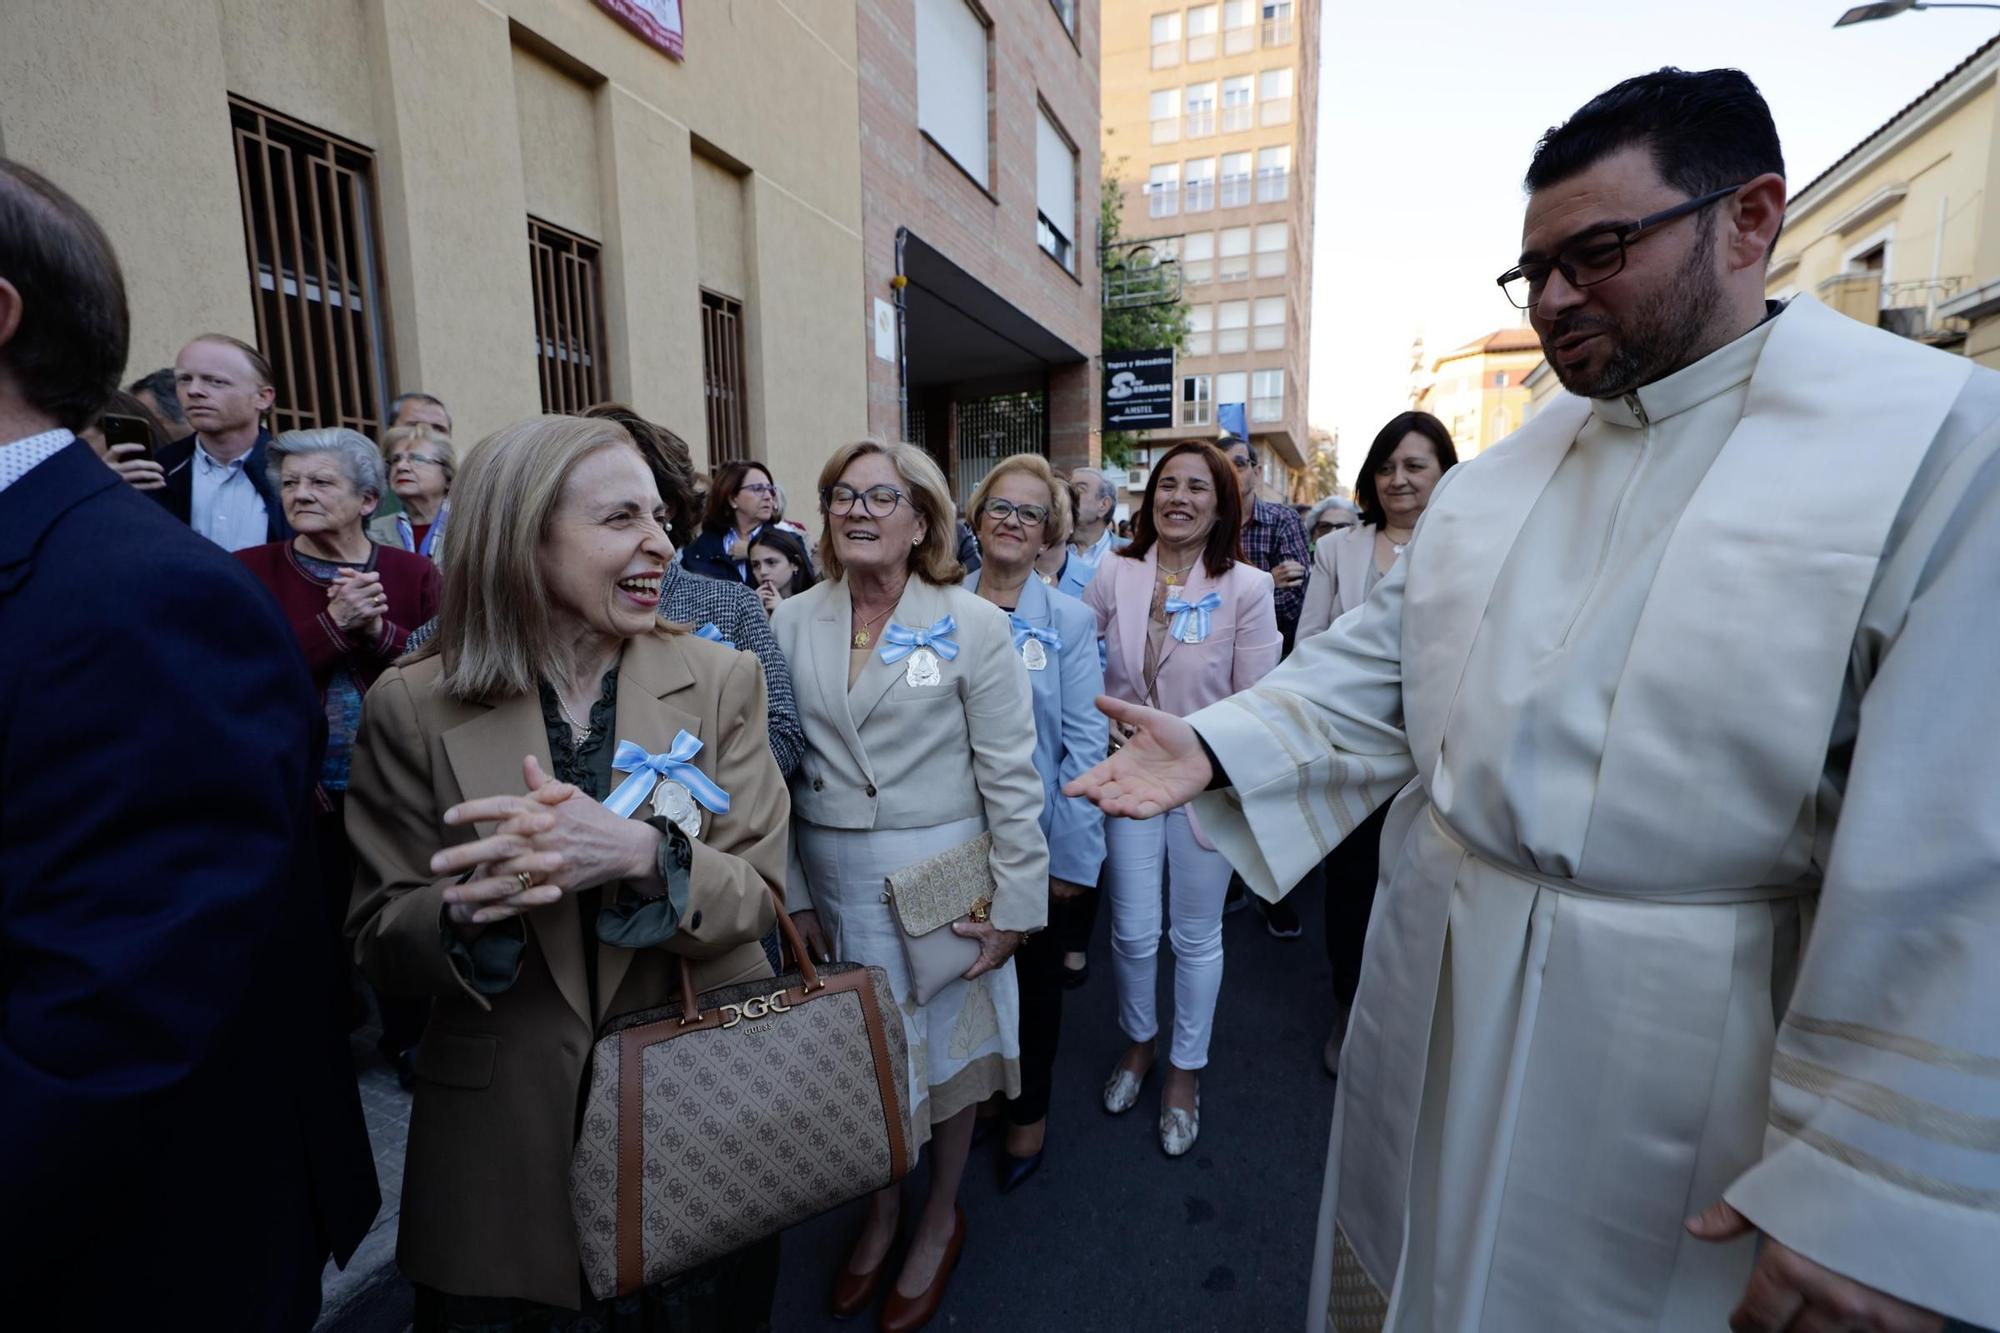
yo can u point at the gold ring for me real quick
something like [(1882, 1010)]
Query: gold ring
[(525, 879)]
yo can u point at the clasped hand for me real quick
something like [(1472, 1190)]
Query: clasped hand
[(357, 601), (1789, 1293), (561, 839)]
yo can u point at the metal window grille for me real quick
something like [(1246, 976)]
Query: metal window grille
[(309, 229), (569, 318), (723, 378), (990, 429)]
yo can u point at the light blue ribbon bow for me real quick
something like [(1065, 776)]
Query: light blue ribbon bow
[(1190, 619), (899, 642), (1023, 631), (713, 633), (649, 769)]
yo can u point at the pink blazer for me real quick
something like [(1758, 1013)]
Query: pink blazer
[(1242, 645)]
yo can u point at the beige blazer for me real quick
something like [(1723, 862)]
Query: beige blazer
[(1342, 575), (486, 1187), (891, 755)]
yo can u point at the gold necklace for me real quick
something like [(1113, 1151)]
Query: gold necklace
[(861, 639), (1173, 576)]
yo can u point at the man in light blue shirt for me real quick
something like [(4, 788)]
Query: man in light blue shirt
[(1095, 535), (216, 480)]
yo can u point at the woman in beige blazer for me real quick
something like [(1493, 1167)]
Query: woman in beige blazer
[(1394, 486), (494, 881), (920, 735)]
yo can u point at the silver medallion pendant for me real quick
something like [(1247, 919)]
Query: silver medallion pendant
[(673, 801), (923, 669), (1036, 656)]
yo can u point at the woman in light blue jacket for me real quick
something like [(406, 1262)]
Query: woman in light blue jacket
[(1019, 511)]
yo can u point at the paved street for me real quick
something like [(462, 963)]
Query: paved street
[(1111, 1235)]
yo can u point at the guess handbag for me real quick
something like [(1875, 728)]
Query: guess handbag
[(954, 885), (714, 1123)]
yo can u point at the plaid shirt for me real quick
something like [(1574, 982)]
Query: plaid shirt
[(1275, 534), (732, 608)]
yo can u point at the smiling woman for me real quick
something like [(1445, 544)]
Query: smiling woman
[(496, 882)]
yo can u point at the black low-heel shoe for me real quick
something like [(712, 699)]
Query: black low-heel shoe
[(1014, 1171), (1074, 977)]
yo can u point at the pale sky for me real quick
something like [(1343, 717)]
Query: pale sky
[(1429, 110)]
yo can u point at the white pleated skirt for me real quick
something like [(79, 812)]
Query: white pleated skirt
[(965, 1044)]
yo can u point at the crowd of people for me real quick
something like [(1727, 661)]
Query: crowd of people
[(390, 688)]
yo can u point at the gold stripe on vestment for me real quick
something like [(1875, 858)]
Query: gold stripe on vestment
[(1895, 1109), (1916, 1182), (1916, 1048)]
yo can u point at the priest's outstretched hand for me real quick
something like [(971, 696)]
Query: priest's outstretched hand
[(1158, 763)]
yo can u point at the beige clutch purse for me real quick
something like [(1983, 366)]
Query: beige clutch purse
[(954, 885)]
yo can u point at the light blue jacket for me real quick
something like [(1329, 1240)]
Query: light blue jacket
[(1070, 734)]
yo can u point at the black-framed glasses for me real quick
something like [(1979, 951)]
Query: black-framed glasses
[(1593, 256), (840, 499), (431, 459), (1031, 516)]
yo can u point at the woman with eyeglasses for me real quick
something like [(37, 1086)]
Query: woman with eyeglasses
[(914, 702), (421, 464), (1188, 623), (740, 504), (1020, 512)]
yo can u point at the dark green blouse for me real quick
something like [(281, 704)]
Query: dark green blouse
[(639, 916)]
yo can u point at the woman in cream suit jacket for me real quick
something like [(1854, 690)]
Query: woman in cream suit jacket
[(1394, 486), (920, 735), (493, 881), (1187, 624)]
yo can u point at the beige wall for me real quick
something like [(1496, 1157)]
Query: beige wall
[(1478, 413), (478, 113)]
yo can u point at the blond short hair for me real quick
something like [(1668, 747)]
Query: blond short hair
[(1060, 521), (495, 633), (423, 432), (935, 558)]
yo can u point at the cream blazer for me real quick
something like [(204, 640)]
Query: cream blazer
[(891, 755), (1341, 577)]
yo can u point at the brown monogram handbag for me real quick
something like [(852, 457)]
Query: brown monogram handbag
[(711, 1124)]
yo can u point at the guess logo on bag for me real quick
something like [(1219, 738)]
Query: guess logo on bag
[(756, 1007)]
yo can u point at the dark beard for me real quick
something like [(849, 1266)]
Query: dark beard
[(1663, 334)]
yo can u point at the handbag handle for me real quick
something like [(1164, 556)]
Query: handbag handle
[(789, 938)]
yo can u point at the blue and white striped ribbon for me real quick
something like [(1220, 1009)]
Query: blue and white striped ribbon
[(648, 770)]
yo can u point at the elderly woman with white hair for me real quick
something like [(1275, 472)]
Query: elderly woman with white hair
[(350, 601)]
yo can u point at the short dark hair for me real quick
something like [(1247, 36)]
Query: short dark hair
[(165, 390), (793, 548), (1706, 130), (66, 355), (1221, 550), (667, 455), (721, 515), (1386, 440)]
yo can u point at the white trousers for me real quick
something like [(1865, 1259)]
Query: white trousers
[(1137, 852)]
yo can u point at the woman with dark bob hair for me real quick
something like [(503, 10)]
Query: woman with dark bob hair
[(1187, 623), (740, 505), (1402, 468)]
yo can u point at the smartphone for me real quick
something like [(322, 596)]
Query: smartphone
[(127, 430)]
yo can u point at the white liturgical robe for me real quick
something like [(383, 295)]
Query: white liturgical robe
[(1685, 680)]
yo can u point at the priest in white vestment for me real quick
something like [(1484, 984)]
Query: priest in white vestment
[(1692, 891)]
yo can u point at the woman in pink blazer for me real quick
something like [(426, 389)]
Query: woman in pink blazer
[(1185, 623)]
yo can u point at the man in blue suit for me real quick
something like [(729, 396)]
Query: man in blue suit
[(182, 1136)]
